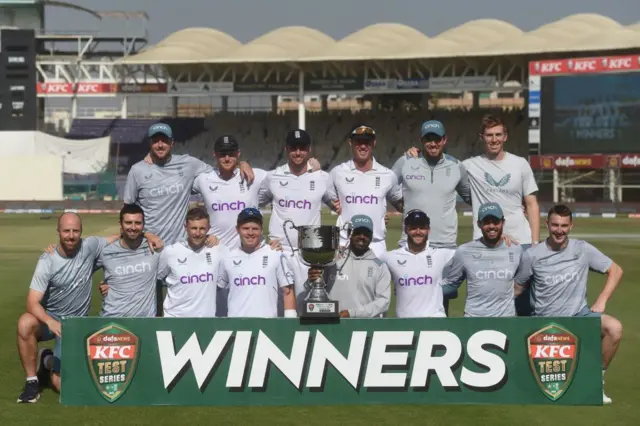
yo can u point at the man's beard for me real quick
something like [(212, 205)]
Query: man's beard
[(493, 240)]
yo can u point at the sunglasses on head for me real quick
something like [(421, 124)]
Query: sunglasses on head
[(363, 131)]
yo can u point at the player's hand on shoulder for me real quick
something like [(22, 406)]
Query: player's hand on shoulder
[(155, 243), (50, 248), (212, 241), (386, 219), (337, 206), (508, 240), (246, 172), (104, 288), (275, 245), (147, 159), (412, 152), (313, 165)]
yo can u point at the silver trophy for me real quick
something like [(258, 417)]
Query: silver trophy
[(318, 246)]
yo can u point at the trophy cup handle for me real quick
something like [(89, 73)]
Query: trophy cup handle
[(284, 228), (348, 227)]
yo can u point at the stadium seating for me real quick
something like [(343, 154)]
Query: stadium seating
[(261, 134)]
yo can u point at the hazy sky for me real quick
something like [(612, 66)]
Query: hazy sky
[(247, 19)]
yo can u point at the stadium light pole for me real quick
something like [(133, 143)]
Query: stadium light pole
[(301, 107)]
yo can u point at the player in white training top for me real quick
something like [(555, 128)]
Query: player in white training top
[(225, 192), (255, 273), (416, 270), (296, 193), (191, 270), (363, 186), (497, 176)]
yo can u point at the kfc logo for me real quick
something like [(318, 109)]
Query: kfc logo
[(551, 67), (584, 65), (622, 63)]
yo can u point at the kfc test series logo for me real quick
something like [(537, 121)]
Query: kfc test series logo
[(112, 355), (553, 357)]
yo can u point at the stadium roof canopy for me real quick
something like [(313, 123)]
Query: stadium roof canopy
[(389, 41)]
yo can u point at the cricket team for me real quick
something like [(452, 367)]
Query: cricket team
[(175, 261)]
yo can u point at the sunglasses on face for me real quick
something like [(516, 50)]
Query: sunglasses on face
[(432, 138)]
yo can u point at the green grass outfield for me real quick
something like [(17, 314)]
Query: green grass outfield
[(22, 238)]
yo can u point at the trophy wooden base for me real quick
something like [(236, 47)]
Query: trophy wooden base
[(328, 309)]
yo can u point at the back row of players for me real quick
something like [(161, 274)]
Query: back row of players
[(497, 184)]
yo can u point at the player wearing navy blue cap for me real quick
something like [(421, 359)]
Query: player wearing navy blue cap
[(255, 274), (416, 270)]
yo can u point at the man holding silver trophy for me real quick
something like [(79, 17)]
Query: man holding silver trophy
[(349, 283), (296, 193)]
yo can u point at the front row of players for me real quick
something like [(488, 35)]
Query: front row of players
[(261, 282)]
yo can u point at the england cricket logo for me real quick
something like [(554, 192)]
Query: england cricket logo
[(553, 356), (112, 355)]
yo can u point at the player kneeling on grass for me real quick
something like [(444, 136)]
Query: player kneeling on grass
[(358, 281), (489, 265), (255, 273), (60, 287), (558, 269)]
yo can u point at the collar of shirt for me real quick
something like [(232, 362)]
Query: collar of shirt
[(260, 247), (235, 172), (427, 248), (375, 166), (438, 163), (286, 170)]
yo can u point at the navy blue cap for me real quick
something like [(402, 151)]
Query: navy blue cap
[(226, 143), (250, 214), (416, 218), (160, 128), (298, 137)]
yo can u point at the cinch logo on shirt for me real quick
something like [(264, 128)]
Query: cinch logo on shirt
[(494, 274), (408, 281), (225, 207), (242, 281), (560, 278), (415, 177), (133, 269), (295, 204), (197, 279), (362, 199), (161, 191)]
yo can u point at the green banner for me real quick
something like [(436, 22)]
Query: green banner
[(224, 361)]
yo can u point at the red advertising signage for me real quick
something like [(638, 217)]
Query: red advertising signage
[(595, 161), (89, 88), (82, 88), (593, 65)]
